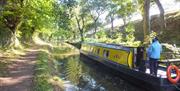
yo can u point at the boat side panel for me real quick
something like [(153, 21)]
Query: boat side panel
[(130, 60), (116, 55), (154, 82)]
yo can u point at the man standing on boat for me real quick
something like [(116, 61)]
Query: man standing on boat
[(154, 53)]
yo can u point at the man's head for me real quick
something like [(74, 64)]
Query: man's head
[(155, 39)]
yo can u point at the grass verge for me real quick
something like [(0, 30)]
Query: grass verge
[(42, 73), (46, 74)]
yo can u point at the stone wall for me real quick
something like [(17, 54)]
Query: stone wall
[(172, 32)]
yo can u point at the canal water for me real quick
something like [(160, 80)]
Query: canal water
[(84, 74)]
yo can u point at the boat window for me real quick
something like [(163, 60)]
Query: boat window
[(94, 50), (98, 51), (106, 53), (90, 49)]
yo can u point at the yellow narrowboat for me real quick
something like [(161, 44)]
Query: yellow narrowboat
[(130, 62)]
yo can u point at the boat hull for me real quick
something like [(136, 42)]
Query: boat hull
[(142, 79)]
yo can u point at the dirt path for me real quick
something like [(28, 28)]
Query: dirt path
[(20, 73)]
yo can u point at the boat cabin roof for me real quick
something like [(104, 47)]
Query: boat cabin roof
[(114, 46)]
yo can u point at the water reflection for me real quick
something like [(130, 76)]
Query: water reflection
[(74, 70), (87, 75)]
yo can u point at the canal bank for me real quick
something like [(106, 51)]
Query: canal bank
[(66, 70), (83, 74), (46, 73)]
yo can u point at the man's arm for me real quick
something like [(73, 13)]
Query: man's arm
[(149, 50), (161, 48)]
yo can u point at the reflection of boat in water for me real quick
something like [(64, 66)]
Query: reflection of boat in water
[(130, 62)]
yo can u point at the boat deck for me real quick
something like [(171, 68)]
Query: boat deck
[(160, 73)]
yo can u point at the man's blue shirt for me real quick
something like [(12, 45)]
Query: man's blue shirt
[(155, 49)]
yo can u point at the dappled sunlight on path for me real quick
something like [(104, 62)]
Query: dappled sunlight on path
[(20, 73)]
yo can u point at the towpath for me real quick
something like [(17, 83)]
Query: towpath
[(20, 72)]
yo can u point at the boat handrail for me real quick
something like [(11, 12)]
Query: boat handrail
[(111, 45), (170, 60)]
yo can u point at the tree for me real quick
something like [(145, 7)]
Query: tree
[(64, 14), (24, 18), (95, 8), (162, 20), (11, 18), (146, 21), (126, 9), (80, 16), (112, 14), (80, 26), (37, 17), (144, 6)]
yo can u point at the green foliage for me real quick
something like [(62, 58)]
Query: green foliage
[(95, 8), (139, 5), (25, 17), (126, 8), (10, 16), (150, 37), (101, 34), (42, 73), (57, 50), (130, 39), (129, 32), (63, 20), (117, 37), (5, 34), (56, 20)]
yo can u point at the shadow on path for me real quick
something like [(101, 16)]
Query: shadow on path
[(20, 73)]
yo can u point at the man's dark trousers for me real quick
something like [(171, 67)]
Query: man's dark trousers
[(153, 66)]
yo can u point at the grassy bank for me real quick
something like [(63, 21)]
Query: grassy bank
[(46, 74), (42, 73)]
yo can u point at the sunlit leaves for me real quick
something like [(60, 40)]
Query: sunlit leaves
[(41, 12), (126, 7)]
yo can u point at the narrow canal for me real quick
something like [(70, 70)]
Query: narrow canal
[(85, 74)]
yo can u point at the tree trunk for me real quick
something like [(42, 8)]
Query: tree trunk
[(146, 21), (112, 24), (12, 39), (13, 22), (16, 40), (50, 38), (80, 28), (162, 20), (95, 29), (124, 21), (82, 37), (95, 26)]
